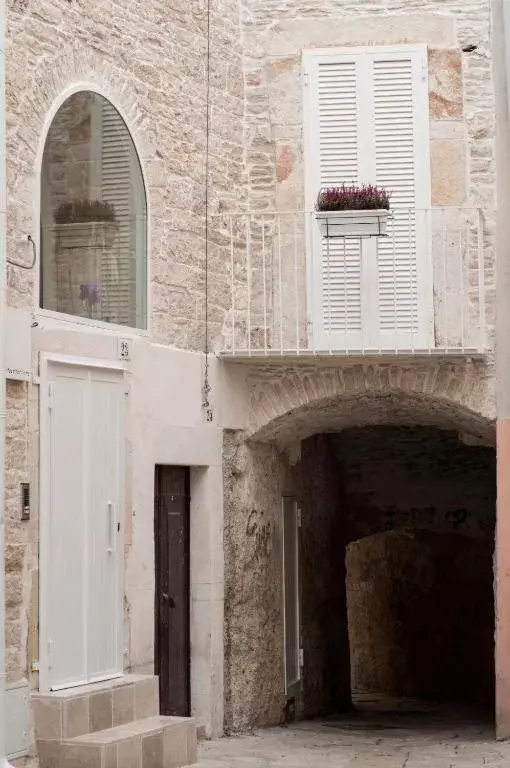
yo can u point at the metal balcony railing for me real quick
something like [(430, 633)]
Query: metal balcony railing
[(418, 291)]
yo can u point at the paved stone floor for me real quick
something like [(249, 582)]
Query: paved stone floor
[(398, 735)]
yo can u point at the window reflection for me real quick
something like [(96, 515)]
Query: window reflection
[(93, 216)]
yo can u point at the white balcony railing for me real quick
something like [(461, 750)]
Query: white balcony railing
[(420, 290)]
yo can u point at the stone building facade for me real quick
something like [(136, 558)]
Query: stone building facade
[(213, 99), (150, 63), (293, 400)]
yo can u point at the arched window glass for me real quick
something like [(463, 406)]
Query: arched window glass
[(93, 216)]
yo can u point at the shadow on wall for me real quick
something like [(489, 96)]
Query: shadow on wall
[(421, 615)]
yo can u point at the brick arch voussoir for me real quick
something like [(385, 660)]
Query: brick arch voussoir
[(290, 394)]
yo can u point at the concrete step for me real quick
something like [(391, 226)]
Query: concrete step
[(86, 709), (154, 742)]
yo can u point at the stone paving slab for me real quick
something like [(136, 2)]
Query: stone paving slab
[(389, 741)]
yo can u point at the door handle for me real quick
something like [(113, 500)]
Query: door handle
[(167, 599), (112, 528)]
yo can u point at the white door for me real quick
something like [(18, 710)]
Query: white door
[(366, 120), (82, 452)]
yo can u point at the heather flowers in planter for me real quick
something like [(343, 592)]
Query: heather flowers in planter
[(83, 214), (353, 211), (90, 294), (81, 211)]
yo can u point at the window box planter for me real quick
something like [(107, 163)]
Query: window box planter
[(86, 219), (353, 211), (363, 223)]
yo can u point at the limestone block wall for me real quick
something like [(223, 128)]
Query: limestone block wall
[(150, 61), (461, 92), (462, 131)]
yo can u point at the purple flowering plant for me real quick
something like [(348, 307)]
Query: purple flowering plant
[(353, 198), (90, 293)]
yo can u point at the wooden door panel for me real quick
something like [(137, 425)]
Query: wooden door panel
[(171, 534)]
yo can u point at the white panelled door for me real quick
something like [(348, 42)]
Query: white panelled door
[(82, 451), (366, 121)]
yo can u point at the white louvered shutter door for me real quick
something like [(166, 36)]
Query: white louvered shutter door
[(402, 165), (119, 261), (366, 121), (333, 124)]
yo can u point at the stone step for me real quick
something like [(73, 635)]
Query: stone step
[(73, 712), (154, 742)]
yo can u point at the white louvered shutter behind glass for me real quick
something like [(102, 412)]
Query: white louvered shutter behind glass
[(119, 262), (387, 143)]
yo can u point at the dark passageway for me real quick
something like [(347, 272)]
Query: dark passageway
[(397, 541), (420, 618)]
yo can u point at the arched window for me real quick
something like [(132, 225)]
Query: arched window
[(93, 216)]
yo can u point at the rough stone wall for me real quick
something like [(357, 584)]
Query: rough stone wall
[(461, 89), (437, 482), (21, 550), (421, 615), (149, 59), (254, 482)]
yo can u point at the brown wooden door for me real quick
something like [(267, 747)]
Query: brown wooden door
[(171, 537)]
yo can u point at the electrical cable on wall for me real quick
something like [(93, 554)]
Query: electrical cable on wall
[(23, 265), (206, 405)]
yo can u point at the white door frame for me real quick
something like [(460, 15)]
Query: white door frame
[(46, 360), (292, 499)]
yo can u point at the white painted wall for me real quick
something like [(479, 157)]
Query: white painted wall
[(165, 426)]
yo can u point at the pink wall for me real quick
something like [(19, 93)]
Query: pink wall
[(503, 581)]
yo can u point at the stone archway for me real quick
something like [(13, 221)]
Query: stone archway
[(289, 405)]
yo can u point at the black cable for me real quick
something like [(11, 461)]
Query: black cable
[(23, 265), (207, 388)]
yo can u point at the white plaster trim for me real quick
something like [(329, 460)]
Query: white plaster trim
[(361, 50), (77, 87), (88, 324), (83, 362), (207, 598)]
